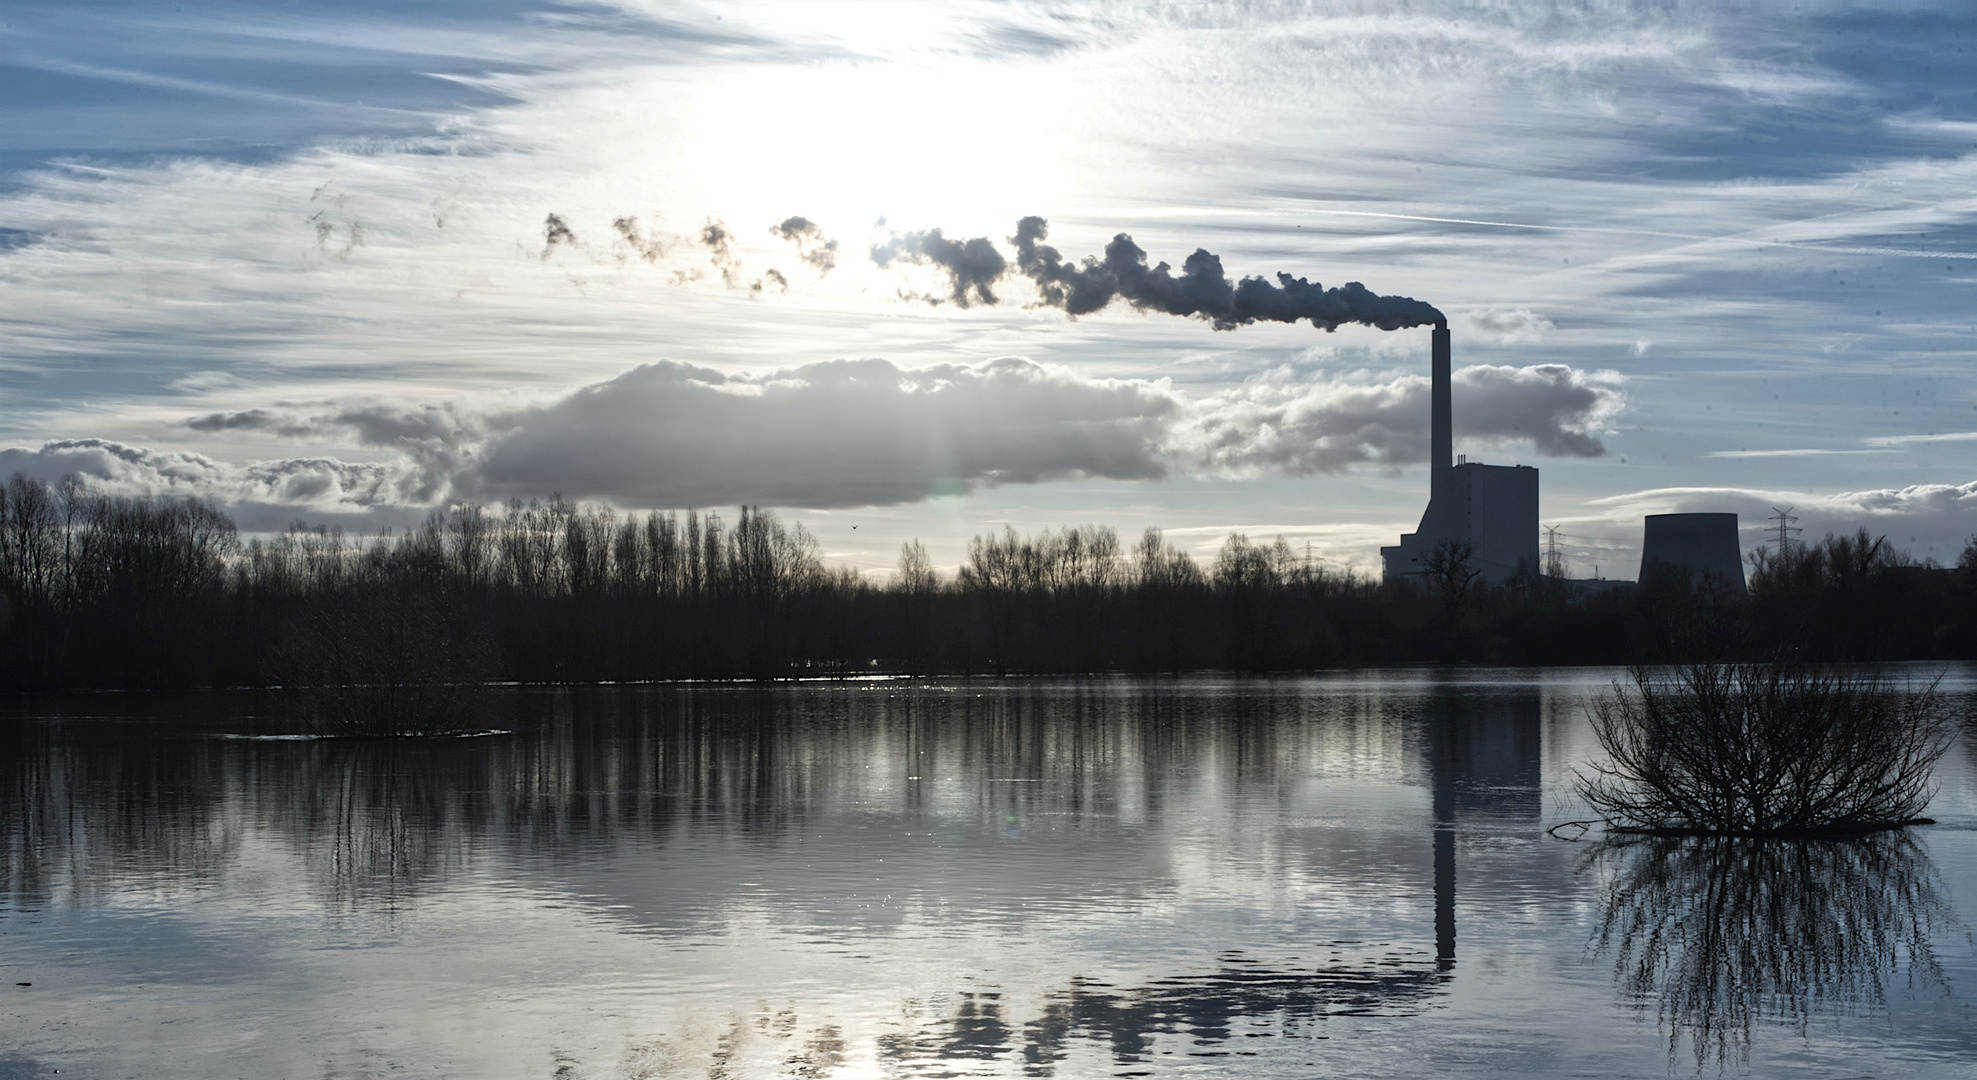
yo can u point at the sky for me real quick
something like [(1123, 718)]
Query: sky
[(349, 261)]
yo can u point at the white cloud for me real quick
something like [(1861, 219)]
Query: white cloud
[(1307, 428), (1932, 437), (262, 494), (1925, 519), (1518, 325), (1790, 453)]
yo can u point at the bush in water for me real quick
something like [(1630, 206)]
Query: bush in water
[(1764, 749)]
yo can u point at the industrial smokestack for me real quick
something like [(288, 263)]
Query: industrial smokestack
[(1441, 448)]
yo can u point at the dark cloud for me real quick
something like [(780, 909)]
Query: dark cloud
[(275, 423), (845, 433), (1202, 290), (972, 266), (817, 250), (771, 278)]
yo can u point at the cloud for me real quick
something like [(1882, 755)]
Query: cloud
[(1307, 428), (1926, 519), (837, 434), (430, 444), (1790, 453), (318, 484), (1932, 437), (1509, 325)]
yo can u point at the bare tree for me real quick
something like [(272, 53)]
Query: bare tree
[(1451, 571), (915, 575)]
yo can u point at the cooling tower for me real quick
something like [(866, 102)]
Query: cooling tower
[(1705, 545)]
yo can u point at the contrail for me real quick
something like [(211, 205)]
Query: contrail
[(1905, 253)]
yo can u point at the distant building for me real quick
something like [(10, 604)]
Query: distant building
[(1702, 545), (1493, 509)]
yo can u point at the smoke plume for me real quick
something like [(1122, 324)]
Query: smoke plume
[(972, 266), (555, 232), (811, 244), (651, 249), (716, 238), (1202, 290)]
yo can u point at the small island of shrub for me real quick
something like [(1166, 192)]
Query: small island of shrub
[(1767, 750)]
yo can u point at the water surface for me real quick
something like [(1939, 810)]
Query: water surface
[(1344, 875)]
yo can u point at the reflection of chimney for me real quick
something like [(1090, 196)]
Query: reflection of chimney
[(1442, 447), (1441, 762)]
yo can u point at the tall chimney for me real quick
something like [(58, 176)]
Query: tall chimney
[(1441, 453)]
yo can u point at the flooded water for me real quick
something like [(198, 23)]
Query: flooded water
[(1333, 876)]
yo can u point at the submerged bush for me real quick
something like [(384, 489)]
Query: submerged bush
[(1765, 749)]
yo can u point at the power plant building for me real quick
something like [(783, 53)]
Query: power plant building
[(1492, 509), (1701, 545)]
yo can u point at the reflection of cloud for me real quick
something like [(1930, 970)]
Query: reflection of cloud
[(1722, 934)]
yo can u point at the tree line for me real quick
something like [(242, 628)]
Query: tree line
[(100, 590)]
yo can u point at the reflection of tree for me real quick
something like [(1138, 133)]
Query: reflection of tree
[(82, 806), (1727, 932), (377, 819)]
